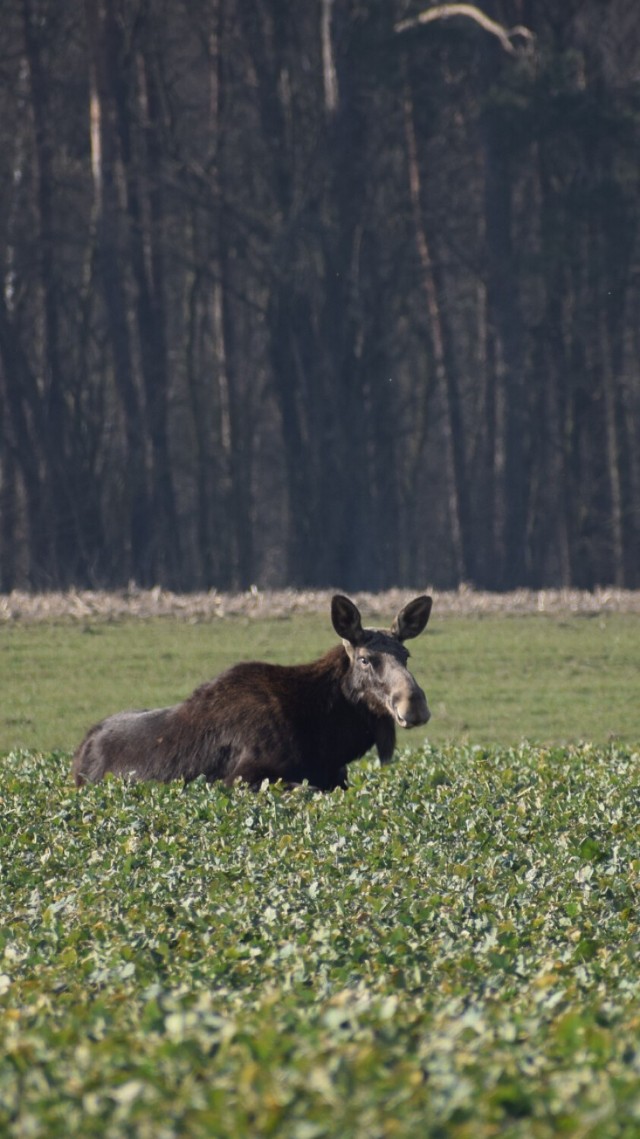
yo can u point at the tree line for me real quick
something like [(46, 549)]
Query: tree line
[(335, 293)]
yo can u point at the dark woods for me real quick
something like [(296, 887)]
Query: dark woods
[(314, 293)]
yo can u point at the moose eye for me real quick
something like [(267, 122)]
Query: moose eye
[(364, 661)]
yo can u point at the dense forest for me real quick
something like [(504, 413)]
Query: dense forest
[(336, 293)]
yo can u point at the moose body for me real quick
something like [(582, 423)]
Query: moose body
[(260, 721)]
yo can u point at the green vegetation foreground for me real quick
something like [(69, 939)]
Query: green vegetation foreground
[(451, 948)]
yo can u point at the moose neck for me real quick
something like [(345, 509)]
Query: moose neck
[(379, 720)]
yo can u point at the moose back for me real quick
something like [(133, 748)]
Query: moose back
[(261, 721)]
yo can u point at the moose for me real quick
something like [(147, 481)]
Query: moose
[(259, 721)]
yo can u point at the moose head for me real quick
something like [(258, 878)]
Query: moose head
[(378, 675)]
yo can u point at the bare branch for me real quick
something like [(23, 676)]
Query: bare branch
[(447, 11), (328, 63)]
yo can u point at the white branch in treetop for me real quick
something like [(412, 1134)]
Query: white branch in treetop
[(328, 64), (447, 11)]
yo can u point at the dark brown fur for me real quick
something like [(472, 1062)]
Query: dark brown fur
[(262, 721)]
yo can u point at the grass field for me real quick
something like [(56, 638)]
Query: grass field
[(488, 679), (449, 950)]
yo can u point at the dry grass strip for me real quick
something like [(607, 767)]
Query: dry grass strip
[(145, 604)]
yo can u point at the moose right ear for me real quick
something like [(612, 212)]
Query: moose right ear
[(412, 619), (346, 619)]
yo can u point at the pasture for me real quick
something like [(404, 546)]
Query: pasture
[(495, 678), (451, 948)]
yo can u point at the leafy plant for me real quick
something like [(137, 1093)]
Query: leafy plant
[(451, 948)]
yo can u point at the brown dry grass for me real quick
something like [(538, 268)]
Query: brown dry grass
[(144, 604)]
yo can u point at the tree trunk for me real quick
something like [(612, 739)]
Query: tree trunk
[(136, 560), (453, 431), (26, 431), (64, 538), (235, 404), (147, 253), (507, 327)]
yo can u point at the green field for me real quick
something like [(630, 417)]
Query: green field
[(488, 680), (450, 949)]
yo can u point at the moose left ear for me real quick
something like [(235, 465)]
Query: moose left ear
[(412, 619), (346, 619)]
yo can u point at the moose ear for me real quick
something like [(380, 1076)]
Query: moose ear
[(346, 619), (412, 619)]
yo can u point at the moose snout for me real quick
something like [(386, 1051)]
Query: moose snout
[(411, 710)]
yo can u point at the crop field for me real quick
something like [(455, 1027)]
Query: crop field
[(451, 948)]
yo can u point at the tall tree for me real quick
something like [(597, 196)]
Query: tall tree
[(106, 98)]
